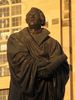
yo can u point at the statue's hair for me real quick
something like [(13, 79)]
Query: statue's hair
[(41, 14)]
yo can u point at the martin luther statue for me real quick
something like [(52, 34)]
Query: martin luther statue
[(37, 63)]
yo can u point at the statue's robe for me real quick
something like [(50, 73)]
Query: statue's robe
[(38, 71)]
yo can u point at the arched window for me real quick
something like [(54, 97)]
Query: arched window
[(4, 2), (15, 1)]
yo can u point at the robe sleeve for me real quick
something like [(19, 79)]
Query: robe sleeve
[(22, 66), (57, 59), (47, 70)]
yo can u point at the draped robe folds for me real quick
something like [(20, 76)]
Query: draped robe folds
[(37, 67)]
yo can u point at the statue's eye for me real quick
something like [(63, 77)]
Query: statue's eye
[(30, 14)]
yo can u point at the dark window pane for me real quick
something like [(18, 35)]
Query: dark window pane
[(16, 1), (4, 23), (0, 71), (4, 94), (6, 71), (4, 12), (4, 2), (1, 12), (16, 10), (16, 21), (3, 58)]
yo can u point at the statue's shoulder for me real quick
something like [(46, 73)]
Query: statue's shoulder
[(19, 34), (53, 42), (46, 31)]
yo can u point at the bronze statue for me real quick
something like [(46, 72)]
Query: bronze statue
[(38, 65)]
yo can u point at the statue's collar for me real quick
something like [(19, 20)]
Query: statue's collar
[(38, 37)]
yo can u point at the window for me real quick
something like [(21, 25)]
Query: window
[(55, 21), (0, 71), (4, 12), (16, 21), (4, 23), (10, 22), (15, 1), (3, 47), (4, 34), (66, 4), (16, 10), (4, 2), (16, 30), (4, 71), (4, 94), (3, 58)]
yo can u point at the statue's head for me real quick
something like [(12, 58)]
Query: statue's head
[(35, 18)]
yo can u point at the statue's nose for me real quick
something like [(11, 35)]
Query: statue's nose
[(32, 16)]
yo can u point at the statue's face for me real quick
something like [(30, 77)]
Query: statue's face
[(33, 19)]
